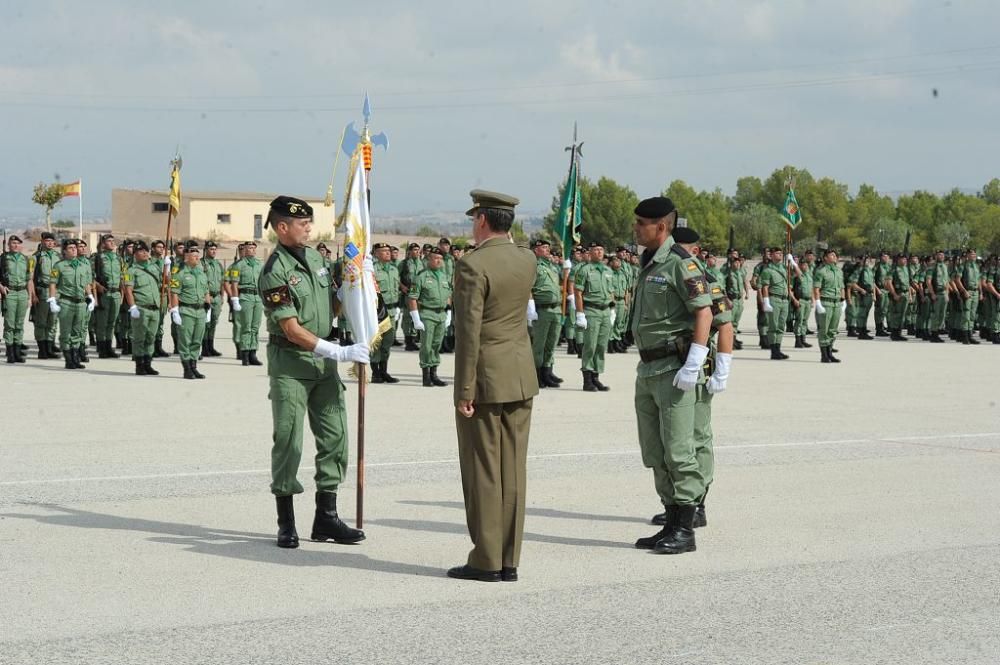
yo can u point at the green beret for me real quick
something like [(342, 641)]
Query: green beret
[(484, 199)]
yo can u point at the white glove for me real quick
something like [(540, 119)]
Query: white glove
[(567, 264), (581, 320), (614, 317), (336, 321), (767, 305), (166, 263), (53, 305), (415, 317), (687, 377), (91, 304), (133, 311), (571, 302), (399, 315), (790, 259), (235, 302), (175, 315), (356, 353), (717, 382), (532, 312), (208, 316), (819, 308), (447, 318), (843, 307)]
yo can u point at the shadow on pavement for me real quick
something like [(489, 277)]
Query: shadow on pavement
[(459, 529), (258, 547), (539, 512)]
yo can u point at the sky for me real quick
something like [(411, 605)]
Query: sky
[(485, 95)]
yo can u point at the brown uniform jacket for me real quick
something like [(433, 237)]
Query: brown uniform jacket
[(493, 361)]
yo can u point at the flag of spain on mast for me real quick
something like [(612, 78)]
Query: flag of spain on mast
[(72, 188)]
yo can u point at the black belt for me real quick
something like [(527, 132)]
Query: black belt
[(282, 342), (17, 288), (73, 300), (598, 306), (678, 347), (433, 309), (548, 305), (249, 292), (214, 294), (833, 299), (192, 306), (778, 296), (152, 308)]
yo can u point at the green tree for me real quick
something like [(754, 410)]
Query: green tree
[(952, 235), (991, 191), (749, 190), (426, 231), (920, 212), (48, 196), (606, 214), (756, 226), (888, 234)]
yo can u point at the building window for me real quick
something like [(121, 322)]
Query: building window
[(160, 207), (222, 218)]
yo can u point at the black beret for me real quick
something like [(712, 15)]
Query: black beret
[(210, 245), (107, 236), (128, 242), (594, 244), (250, 243), (684, 234), (438, 251), (829, 250), (445, 241), (621, 248), (192, 249), (67, 242), (655, 207), (320, 246), (289, 206), (540, 242), (191, 243), (413, 245), (13, 239), (457, 246), (394, 248), (141, 246), (380, 245), (428, 247), (48, 236)]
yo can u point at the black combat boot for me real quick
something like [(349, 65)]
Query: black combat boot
[(738, 345), (410, 343), (852, 331), (864, 334), (92, 338), (798, 342), (140, 365), (588, 382), (194, 369), (680, 537), (552, 377), (969, 336), (19, 353), (571, 347), (118, 341), (659, 519), (649, 542), (377, 373), (10, 355), (388, 378), (700, 516), (54, 349), (188, 374), (597, 384), (328, 526), (611, 347), (880, 330), (81, 354), (545, 378), (542, 383), (252, 358), (212, 351), (426, 371), (824, 354), (829, 354), (245, 358), (435, 381), (158, 350), (111, 352), (43, 349), (148, 364), (287, 536), (776, 353), (204, 349), (68, 356)]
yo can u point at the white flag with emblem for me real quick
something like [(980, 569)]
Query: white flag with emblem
[(359, 292)]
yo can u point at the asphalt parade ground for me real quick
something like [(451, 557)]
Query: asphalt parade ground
[(855, 518)]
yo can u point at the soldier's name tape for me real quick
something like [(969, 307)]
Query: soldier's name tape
[(912, 440)]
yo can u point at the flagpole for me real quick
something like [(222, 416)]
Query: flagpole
[(81, 208)]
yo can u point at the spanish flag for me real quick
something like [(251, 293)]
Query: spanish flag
[(72, 189)]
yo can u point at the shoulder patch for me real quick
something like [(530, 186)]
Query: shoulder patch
[(277, 297), (234, 273), (721, 305), (696, 286), (175, 284)]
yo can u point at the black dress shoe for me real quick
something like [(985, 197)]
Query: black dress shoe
[(508, 574), (467, 572)]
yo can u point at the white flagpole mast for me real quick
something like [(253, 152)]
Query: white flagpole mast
[(80, 197)]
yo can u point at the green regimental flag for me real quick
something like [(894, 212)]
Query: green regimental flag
[(790, 212), (568, 222)]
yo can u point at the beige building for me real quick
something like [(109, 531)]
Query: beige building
[(220, 216)]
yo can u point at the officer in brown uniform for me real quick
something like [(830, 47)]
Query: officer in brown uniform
[(495, 382)]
